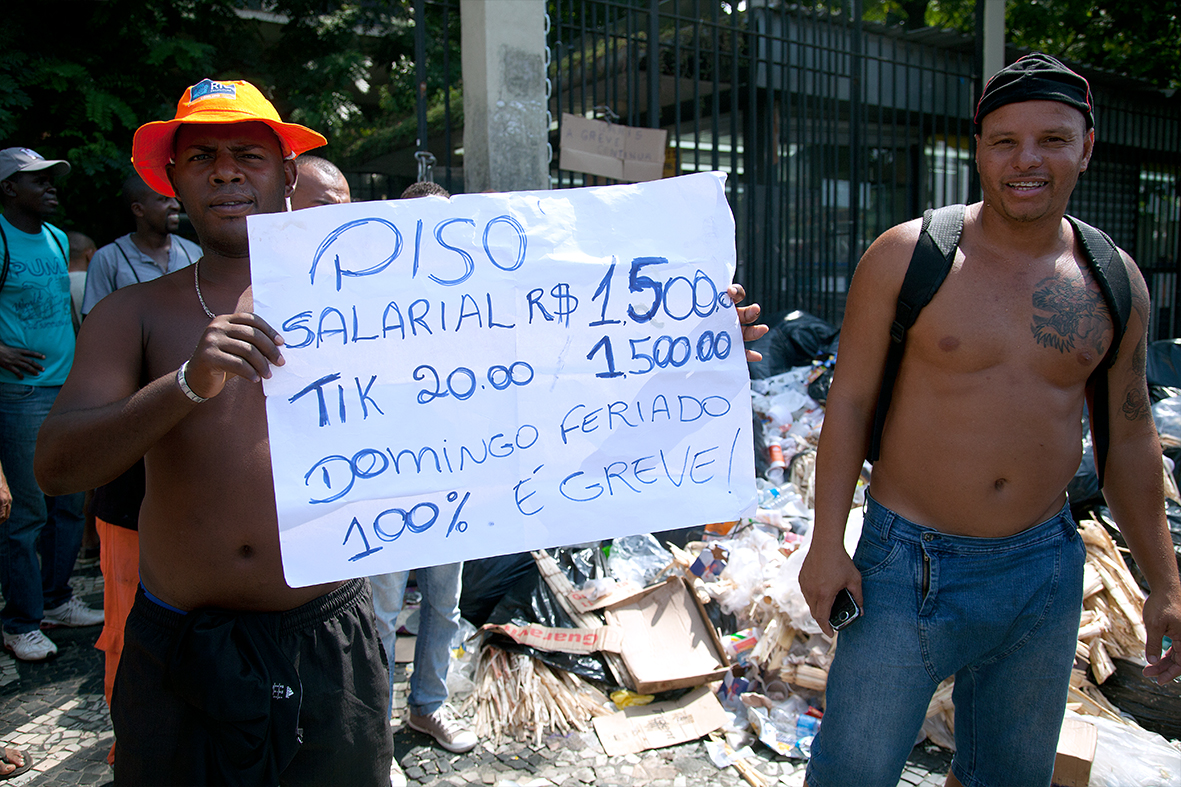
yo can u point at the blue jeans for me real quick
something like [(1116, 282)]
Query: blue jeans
[(438, 624), (53, 524), (1000, 614)]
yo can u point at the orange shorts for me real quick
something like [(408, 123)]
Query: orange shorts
[(119, 560)]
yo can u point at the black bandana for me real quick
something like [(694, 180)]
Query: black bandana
[(1036, 77)]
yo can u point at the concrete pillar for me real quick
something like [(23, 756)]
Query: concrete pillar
[(994, 37), (504, 128)]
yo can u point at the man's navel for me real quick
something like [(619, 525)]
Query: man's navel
[(999, 484), (949, 343)]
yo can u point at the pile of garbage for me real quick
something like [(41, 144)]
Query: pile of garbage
[(715, 628)]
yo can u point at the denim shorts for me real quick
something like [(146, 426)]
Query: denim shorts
[(1000, 614)]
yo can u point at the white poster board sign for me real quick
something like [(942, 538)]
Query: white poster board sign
[(496, 373)]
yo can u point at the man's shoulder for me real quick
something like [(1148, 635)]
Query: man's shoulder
[(894, 247), (113, 246), (142, 299), (110, 250), (187, 244), (59, 235)]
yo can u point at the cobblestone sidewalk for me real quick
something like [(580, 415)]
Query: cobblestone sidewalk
[(55, 712)]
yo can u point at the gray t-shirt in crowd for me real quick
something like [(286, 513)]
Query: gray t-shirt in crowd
[(121, 263)]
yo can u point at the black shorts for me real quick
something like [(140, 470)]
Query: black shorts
[(297, 697)]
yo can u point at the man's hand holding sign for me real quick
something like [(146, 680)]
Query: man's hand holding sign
[(496, 373)]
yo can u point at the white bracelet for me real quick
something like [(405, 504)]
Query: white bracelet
[(184, 385)]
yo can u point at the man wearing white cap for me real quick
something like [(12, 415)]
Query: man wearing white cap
[(228, 676), (36, 351)]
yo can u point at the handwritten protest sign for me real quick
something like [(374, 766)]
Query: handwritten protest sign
[(495, 373)]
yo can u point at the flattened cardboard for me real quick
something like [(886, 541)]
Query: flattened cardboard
[(637, 729), (668, 641), (1076, 753), (622, 591), (620, 152)]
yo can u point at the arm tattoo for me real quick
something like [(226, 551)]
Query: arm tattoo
[(1069, 311), (1136, 406)]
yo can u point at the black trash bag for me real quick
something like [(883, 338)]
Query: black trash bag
[(1156, 708), (796, 339), (1164, 363), (530, 600), (1083, 490), (761, 460), (583, 562), (485, 582), (1166, 415), (818, 388), (1164, 369)]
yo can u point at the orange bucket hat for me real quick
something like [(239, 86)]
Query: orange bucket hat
[(208, 101)]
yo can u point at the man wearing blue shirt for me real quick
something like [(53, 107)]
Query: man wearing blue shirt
[(36, 352)]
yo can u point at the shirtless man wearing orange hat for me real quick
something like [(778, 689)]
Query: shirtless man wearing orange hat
[(228, 675)]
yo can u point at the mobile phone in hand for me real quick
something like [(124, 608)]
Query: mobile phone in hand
[(844, 610)]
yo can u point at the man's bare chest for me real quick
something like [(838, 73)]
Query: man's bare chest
[(1054, 324)]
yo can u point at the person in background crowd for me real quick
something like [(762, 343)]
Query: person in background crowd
[(81, 250), (320, 183), (148, 253), (424, 188), (5, 498), (438, 623), (36, 351)]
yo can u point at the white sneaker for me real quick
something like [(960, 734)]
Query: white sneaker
[(73, 613), (30, 646), (397, 776), (443, 725)]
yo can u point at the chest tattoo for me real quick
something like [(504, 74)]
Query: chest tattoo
[(1069, 313)]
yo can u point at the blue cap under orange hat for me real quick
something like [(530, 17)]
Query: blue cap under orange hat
[(1036, 77), (209, 101)]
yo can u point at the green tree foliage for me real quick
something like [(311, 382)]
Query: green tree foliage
[(77, 78), (1138, 39), (1141, 40)]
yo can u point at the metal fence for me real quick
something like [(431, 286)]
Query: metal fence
[(831, 130)]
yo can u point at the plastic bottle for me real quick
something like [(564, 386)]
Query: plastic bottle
[(777, 467)]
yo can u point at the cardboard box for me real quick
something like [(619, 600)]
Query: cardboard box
[(668, 641), (611, 150), (1076, 752), (660, 724)]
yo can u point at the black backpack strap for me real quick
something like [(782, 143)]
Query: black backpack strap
[(65, 254), (130, 267), (932, 259), (8, 260), (1107, 265)]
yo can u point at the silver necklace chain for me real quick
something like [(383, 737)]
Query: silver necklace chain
[(197, 286)]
